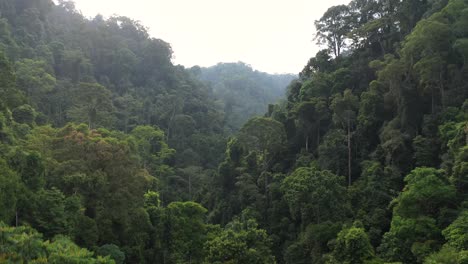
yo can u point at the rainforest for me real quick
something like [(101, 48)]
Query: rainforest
[(112, 153)]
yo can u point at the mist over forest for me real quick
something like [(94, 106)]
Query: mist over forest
[(112, 153)]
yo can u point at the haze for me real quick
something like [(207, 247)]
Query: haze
[(271, 36)]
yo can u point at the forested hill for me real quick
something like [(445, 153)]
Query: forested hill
[(243, 91), (106, 73), (109, 153)]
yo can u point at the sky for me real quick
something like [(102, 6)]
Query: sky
[(274, 36)]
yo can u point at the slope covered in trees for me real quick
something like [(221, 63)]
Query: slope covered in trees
[(111, 154), (106, 73), (364, 162), (244, 92)]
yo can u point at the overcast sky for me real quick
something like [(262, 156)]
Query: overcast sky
[(274, 36)]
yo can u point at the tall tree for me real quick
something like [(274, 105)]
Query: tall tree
[(333, 27), (344, 109), (264, 135)]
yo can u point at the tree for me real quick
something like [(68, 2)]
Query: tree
[(24, 244), (370, 196), (333, 151), (313, 244), (92, 104), (186, 230), (10, 96), (344, 109), (456, 233), (459, 176), (426, 193), (322, 62), (426, 51), (333, 27), (152, 149), (49, 213), (113, 252), (414, 230), (314, 196), (240, 242), (35, 79), (264, 135), (310, 114), (447, 255), (10, 190), (352, 246), (24, 114)]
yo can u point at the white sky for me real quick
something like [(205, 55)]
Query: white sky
[(274, 36)]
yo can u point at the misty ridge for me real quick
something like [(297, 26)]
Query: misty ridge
[(111, 151)]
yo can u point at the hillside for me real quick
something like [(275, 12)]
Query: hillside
[(244, 92)]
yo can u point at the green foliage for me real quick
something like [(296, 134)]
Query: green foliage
[(34, 78), (10, 96), (312, 244), (447, 255), (459, 175), (10, 187), (92, 105), (49, 213), (113, 252), (415, 229), (315, 196), (152, 149), (352, 245), (240, 242), (333, 27), (243, 92), (426, 193), (424, 151), (456, 233), (333, 152), (264, 135), (186, 231), (24, 114), (24, 244), (370, 196)]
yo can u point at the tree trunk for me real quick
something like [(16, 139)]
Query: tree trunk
[(349, 154), (170, 123), (382, 48), (432, 101), (442, 90), (318, 134), (307, 143)]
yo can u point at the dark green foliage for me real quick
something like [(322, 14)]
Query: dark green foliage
[(352, 246), (240, 242), (112, 251), (24, 114), (186, 231), (10, 187), (315, 196), (447, 255), (456, 233), (243, 91), (418, 216), (264, 136), (25, 245)]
